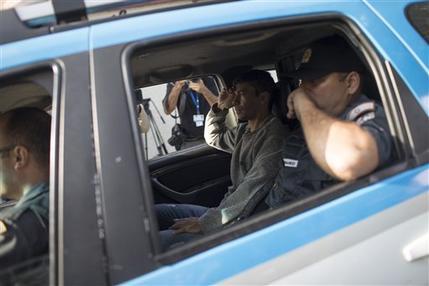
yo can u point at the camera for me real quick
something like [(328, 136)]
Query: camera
[(177, 136), (187, 82)]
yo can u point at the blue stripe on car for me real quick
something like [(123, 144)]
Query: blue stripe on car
[(231, 258), (48, 47)]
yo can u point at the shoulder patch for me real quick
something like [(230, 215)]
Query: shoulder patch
[(367, 116), (291, 163), (360, 110)]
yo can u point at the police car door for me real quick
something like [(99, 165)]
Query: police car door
[(330, 239)]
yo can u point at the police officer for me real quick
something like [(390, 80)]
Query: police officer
[(24, 173), (344, 135), (193, 99)]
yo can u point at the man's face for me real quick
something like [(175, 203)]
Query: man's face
[(248, 104), (328, 92), (8, 188)]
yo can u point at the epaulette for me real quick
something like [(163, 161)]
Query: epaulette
[(361, 113)]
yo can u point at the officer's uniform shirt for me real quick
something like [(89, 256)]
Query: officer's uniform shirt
[(370, 115), (301, 176), (24, 230), (5, 204), (186, 105)]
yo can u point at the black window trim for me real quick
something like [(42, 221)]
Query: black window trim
[(418, 139), (260, 221)]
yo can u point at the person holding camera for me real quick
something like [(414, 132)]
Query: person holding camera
[(193, 99)]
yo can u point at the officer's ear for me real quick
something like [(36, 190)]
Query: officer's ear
[(20, 157), (353, 82)]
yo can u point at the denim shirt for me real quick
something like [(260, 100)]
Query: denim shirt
[(36, 199)]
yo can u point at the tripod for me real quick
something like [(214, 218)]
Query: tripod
[(156, 133)]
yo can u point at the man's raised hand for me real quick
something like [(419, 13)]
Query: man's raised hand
[(227, 99)]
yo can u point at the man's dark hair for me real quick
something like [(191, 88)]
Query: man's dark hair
[(31, 128), (261, 81)]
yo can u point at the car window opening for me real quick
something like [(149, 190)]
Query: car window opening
[(207, 180), (26, 105)]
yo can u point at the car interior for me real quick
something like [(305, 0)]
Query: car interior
[(34, 91), (279, 48), (32, 88)]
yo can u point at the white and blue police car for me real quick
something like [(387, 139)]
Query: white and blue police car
[(82, 60)]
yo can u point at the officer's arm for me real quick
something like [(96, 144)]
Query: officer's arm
[(172, 96), (343, 149)]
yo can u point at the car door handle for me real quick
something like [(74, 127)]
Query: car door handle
[(417, 249)]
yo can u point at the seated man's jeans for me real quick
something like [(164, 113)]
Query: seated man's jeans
[(167, 213)]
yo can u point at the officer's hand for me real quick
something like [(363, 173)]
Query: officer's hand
[(296, 101), (197, 86), (188, 225), (227, 99)]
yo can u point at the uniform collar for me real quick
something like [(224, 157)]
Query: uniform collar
[(356, 101), (34, 192)]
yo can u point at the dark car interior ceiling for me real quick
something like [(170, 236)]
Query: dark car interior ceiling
[(216, 54)]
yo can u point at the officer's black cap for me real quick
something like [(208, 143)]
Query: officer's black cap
[(332, 54)]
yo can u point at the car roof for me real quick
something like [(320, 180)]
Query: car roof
[(50, 42), (33, 18)]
